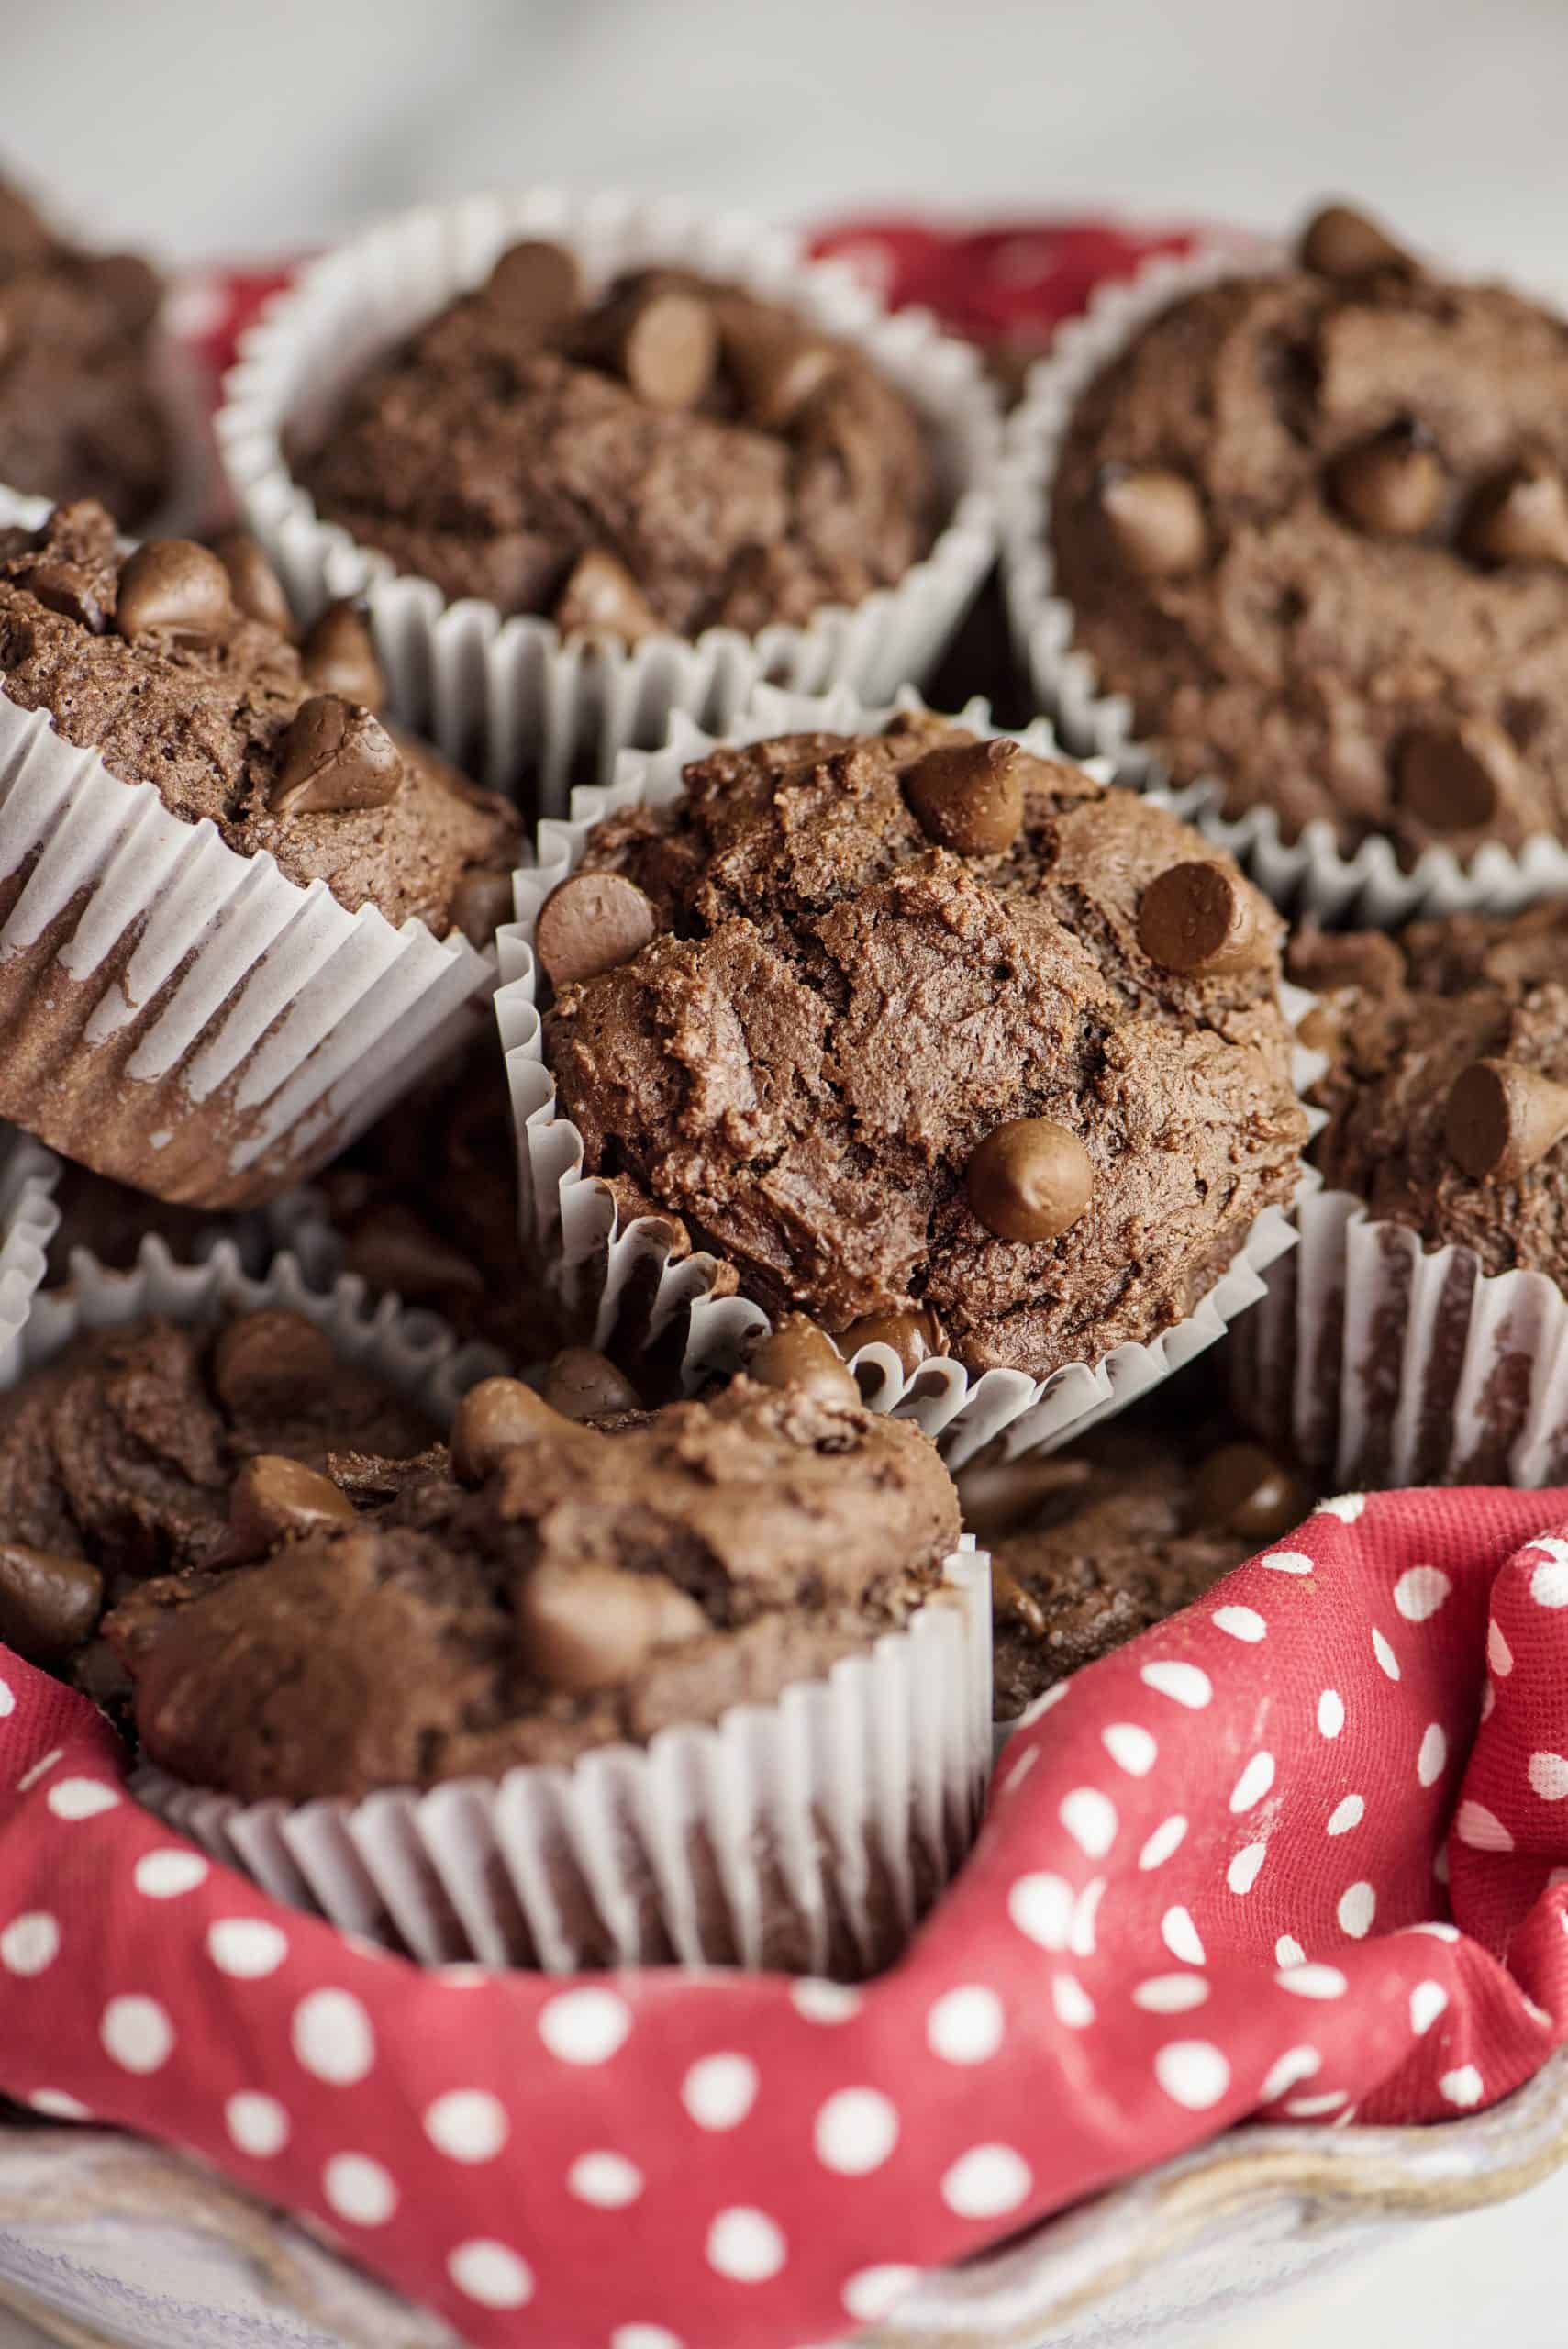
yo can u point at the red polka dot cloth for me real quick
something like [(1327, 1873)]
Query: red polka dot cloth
[(1301, 1852)]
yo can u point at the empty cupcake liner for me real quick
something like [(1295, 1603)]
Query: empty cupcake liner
[(1381, 1362), (604, 1276), (1311, 873), (511, 691), (182, 1018)]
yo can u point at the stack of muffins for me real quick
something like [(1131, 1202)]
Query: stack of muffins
[(517, 1480)]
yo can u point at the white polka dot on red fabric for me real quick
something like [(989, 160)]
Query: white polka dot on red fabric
[(359, 2189), (1347, 1815), (1287, 1561), (1181, 1936), (966, 2025), (76, 1799), (467, 2125), (1295, 2064), (40, 1769), (247, 1948), (1288, 1951), (1346, 1506), (1463, 2086), (30, 1942), (332, 2037), (257, 2124), (1357, 1908), (719, 2090), (875, 2291), (1090, 1819), (1316, 2107), (824, 2002), (643, 2336), (1499, 1655), (1549, 1583), (608, 2181), (59, 2106), (163, 1876), (1488, 1700), (1549, 1775), (1131, 1747), (1014, 1777), (137, 2033), (1253, 1783), (855, 2131), (1482, 1829), (1040, 1906), (1331, 1713), (1242, 1623), (1166, 1839), (1437, 1930), (7, 1699), (1420, 1591), (987, 2182), (584, 2026), (1427, 2001), (1171, 1994), (1185, 1683), (491, 2275), (1073, 2003), (1086, 1916), (1432, 1759), (1245, 1866), (1312, 1981), (1192, 2073), (746, 2245), (1387, 1661)]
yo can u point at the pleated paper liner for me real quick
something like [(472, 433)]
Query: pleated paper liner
[(511, 692), (609, 1278), (1311, 873)]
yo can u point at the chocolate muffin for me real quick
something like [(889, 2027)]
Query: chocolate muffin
[(919, 1025), (1313, 523), (1447, 1089), (80, 415), (553, 1587), (158, 661), (666, 454), (117, 1460)]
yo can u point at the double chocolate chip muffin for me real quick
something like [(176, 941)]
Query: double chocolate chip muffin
[(666, 454), (1313, 523), (80, 413), (920, 1026)]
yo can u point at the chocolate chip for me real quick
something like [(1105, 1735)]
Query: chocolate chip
[(174, 588), (1155, 521), (394, 1248), (334, 758), (1339, 243), (1203, 921), (48, 1605), (996, 1495), (1454, 778), (668, 349), (915, 1337), (1242, 1490), (602, 598), (270, 1363), (131, 286), (480, 903), (1029, 1179), (778, 366), (797, 1353), (969, 797), (1013, 1603), (1501, 1120), (1522, 516), (592, 1626), (538, 283), (254, 583), (339, 656), (1393, 485), (591, 923), (493, 1419), (273, 1499), (62, 587), (583, 1384)]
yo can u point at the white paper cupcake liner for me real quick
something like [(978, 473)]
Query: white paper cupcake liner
[(1311, 873), (182, 1018), (601, 1272), (510, 690), (1379, 1362), (28, 1220)]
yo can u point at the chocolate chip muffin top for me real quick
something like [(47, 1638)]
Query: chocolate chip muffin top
[(919, 1024), (556, 1587), (80, 415), (1447, 1090), (1314, 524), (158, 661), (667, 454)]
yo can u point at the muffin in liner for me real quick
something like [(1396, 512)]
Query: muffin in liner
[(1311, 873), (613, 1282), (511, 693)]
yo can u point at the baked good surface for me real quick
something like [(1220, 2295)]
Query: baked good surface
[(151, 660), (880, 1074), (578, 1586), (1447, 1090), (1314, 524), (80, 413), (667, 453)]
